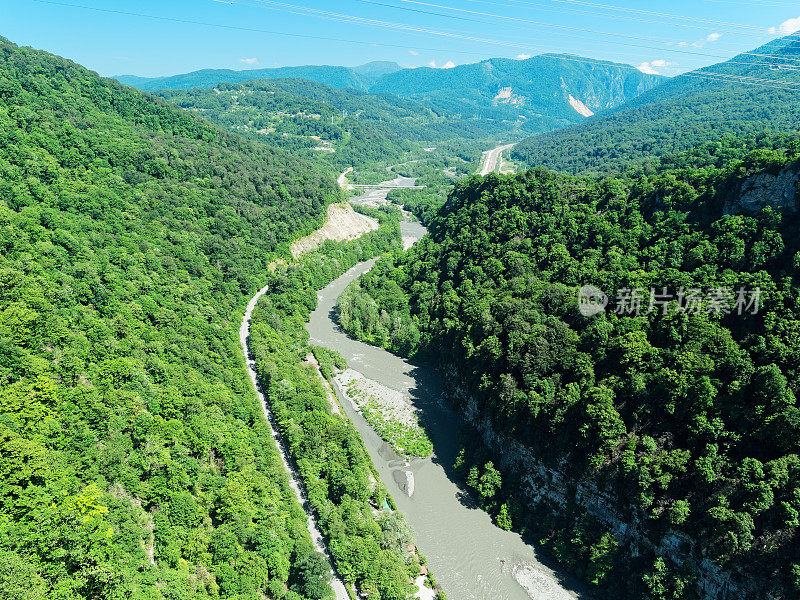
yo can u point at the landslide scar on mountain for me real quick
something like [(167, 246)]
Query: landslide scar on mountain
[(341, 224)]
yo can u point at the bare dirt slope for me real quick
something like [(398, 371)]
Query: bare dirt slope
[(342, 223)]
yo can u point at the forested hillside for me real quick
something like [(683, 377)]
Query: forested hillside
[(342, 128), (652, 447), (134, 458), (747, 95)]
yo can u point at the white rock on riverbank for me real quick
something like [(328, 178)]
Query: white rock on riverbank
[(393, 403), (539, 583)]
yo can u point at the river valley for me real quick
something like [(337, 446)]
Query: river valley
[(470, 557)]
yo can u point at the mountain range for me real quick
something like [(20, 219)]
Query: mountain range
[(561, 87), (359, 78), (747, 95), (528, 96)]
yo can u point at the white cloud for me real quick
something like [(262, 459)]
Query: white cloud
[(647, 69), (432, 64), (413, 53), (787, 27), (249, 61), (523, 56), (711, 37), (661, 63), (654, 67), (448, 65)]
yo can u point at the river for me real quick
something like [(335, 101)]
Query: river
[(470, 557)]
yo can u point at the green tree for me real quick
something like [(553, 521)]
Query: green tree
[(490, 482), (312, 576)]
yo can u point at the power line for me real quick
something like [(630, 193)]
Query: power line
[(767, 3), (530, 21), (317, 37), (792, 84), (539, 23), (249, 29), (612, 7), (705, 24), (763, 85), (345, 18)]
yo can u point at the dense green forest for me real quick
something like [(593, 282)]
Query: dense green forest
[(683, 112), (371, 546), (134, 458), (682, 414)]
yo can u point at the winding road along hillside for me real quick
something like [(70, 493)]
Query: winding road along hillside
[(294, 479)]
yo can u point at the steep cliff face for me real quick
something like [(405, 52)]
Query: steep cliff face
[(778, 191), (552, 488)]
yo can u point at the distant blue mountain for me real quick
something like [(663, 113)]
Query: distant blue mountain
[(359, 78)]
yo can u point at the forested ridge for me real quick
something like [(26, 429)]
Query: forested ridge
[(356, 78), (681, 113), (342, 128), (134, 458), (684, 421)]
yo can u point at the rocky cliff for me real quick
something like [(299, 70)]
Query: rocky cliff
[(778, 191), (552, 488)]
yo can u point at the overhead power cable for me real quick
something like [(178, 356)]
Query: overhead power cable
[(632, 15), (544, 24), (711, 78), (611, 7), (353, 19)]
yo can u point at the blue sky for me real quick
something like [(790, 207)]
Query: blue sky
[(150, 38)]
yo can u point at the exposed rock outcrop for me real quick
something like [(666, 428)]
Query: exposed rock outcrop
[(776, 190), (553, 488)]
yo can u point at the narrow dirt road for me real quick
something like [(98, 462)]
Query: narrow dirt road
[(294, 478), (491, 159)]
